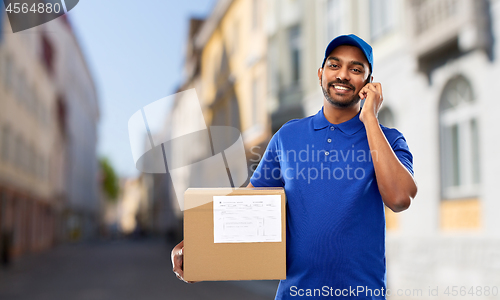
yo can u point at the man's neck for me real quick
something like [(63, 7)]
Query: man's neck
[(337, 115)]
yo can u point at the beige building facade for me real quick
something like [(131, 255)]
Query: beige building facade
[(437, 62), (44, 88), (29, 133), (233, 47), (77, 109)]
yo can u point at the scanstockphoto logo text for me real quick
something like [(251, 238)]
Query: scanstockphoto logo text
[(430, 292), (328, 291), (25, 14)]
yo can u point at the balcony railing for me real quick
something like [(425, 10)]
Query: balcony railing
[(437, 23), (431, 14)]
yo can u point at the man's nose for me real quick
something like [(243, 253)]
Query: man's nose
[(343, 74)]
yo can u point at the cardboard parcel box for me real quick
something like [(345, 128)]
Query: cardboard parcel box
[(234, 234)]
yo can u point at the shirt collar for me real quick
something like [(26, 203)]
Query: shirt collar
[(349, 127)]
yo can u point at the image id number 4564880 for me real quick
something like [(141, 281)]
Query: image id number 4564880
[(24, 8), (471, 291)]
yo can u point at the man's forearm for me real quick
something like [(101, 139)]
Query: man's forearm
[(396, 185)]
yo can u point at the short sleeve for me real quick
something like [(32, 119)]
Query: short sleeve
[(268, 172), (402, 151)]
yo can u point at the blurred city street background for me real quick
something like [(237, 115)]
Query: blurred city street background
[(79, 221), (127, 269)]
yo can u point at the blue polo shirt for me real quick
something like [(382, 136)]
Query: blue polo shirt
[(335, 214)]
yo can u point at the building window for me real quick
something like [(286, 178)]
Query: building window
[(46, 114), (62, 115), (10, 74), (255, 14), (273, 67), (235, 38), (3, 68), (459, 135), (7, 71), (16, 153), (3, 211), (45, 169), (255, 100), (30, 94), (336, 18), (31, 161), (295, 47), (22, 89), (48, 54), (382, 17), (386, 117), (19, 153), (15, 83), (39, 167), (6, 143)]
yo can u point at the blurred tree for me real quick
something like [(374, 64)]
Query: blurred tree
[(109, 180)]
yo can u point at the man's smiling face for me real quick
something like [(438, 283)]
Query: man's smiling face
[(344, 74)]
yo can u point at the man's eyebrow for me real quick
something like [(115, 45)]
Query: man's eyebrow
[(354, 62)]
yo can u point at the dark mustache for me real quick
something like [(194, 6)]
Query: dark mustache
[(343, 82)]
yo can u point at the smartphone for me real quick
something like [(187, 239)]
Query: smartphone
[(369, 81)]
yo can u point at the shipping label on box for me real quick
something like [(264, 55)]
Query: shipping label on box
[(247, 219)]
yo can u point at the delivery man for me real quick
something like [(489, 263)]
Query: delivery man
[(338, 168)]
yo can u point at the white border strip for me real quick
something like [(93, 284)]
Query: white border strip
[(64, 6)]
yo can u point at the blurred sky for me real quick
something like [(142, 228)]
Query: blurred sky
[(135, 51)]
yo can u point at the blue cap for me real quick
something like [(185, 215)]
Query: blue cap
[(352, 40)]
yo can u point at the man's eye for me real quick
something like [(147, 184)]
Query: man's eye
[(333, 66), (357, 70)]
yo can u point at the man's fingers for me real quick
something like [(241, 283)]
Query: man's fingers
[(375, 87), (372, 88), (363, 93), (178, 261), (378, 86), (180, 276), (178, 265), (178, 270)]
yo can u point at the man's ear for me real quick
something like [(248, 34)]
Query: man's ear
[(320, 75)]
